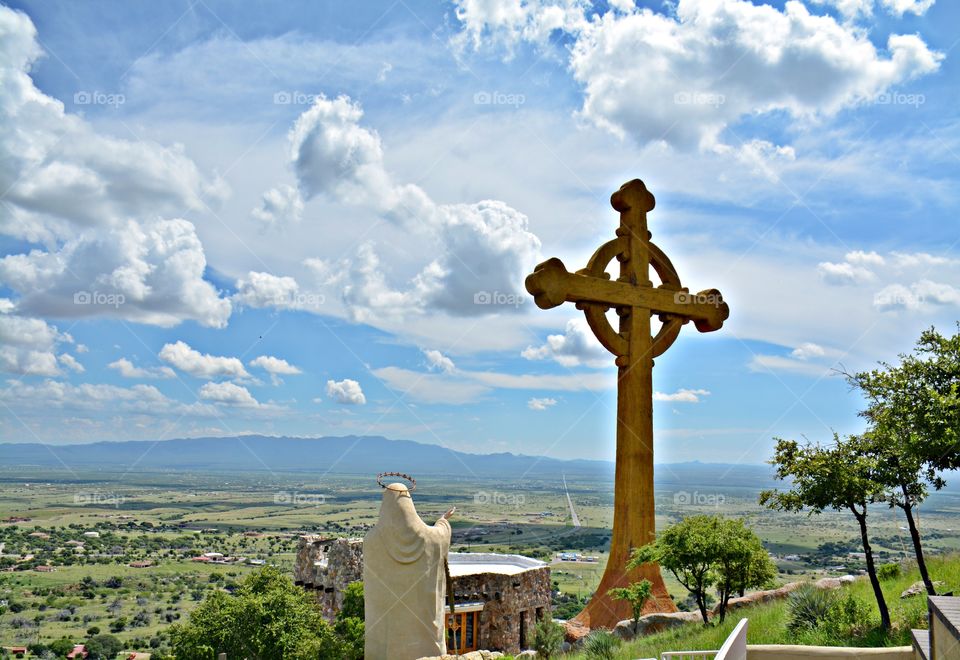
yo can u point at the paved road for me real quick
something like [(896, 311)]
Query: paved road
[(573, 514)]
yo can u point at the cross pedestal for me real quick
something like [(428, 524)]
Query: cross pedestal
[(636, 300)]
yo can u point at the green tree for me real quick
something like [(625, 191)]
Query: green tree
[(61, 647), (548, 638), (637, 594), (103, 647), (842, 477), (352, 601), (743, 563), (267, 618), (913, 409), (704, 551)]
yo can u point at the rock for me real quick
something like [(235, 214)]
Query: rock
[(526, 654), (472, 655), (653, 623), (916, 589), (625, 630), (565, 647), (758, 597), (847, 579), (574, 632)]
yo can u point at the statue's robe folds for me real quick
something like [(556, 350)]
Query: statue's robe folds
[(404, 582)]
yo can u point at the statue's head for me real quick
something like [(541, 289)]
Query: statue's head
[(401, 490)]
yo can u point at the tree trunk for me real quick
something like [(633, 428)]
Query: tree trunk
[(872, 569), (917, 546), (702, 605)]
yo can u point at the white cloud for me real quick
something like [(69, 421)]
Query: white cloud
[(708, 63), (808, 350), (150, 273), (920, 295), (430, 387), (201, 365), (918, 260), (437, 360), (844, 273), (541, 404), (850, 9), (346, 391), (229, 394), (71, 363), (767, 363), (97, 397), (682, 395), (274, 365), (279, 207), (577, 345), (901, 7), (27, 346), (127, 369), (97, 204), (481, 247), (861, 258)]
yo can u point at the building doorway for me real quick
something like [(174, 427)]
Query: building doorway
[(462, 632)]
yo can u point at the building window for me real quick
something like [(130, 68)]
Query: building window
[(462, 632)]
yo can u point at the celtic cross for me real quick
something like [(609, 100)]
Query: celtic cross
[(636, 300)]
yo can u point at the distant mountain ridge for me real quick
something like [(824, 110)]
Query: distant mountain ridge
[(346, 455)]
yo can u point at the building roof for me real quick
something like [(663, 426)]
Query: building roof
[(475, 563)]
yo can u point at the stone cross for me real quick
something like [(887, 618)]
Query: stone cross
[(636, 300)]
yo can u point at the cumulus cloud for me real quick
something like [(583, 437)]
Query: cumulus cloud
[(346, 391), (438, 361), (808, 350), (127, 369), (228, 394), (708, 63), (576, 346), (901, 7), (844, 273), (541, 404), (139, 398), (920, 295), (279, 207), (771, 363), (71, 363), (483, 247), (27, 346), (97, 205), (681, 396), (150, 273), (201, 365), (275, 366)]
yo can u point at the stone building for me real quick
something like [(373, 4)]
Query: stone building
[(498, 599)]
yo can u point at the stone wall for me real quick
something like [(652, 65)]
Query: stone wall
[(510, 601), (512, 604), (326, 566)]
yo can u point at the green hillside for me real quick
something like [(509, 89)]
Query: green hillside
[(768, 622)]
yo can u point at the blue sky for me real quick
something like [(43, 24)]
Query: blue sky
[(223, 217)]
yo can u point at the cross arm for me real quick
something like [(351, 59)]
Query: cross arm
[(551, 285)]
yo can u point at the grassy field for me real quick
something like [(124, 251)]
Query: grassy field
[(768, 622), (167, 518)]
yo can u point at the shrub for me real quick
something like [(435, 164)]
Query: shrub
[(847, 617), (888, 571), (548, 638), (601, 645), (808, 607)]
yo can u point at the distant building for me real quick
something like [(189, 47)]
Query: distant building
[(92, 535), (140, 564), (79, 651), (498, 598), (44, 569)]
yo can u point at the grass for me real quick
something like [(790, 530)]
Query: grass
[(768, 622)]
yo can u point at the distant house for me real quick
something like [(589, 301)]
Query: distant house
[(79, 651), (44, 569), (200, 558), (92, 535), (140, 564), (39, 535), (16, 649)]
